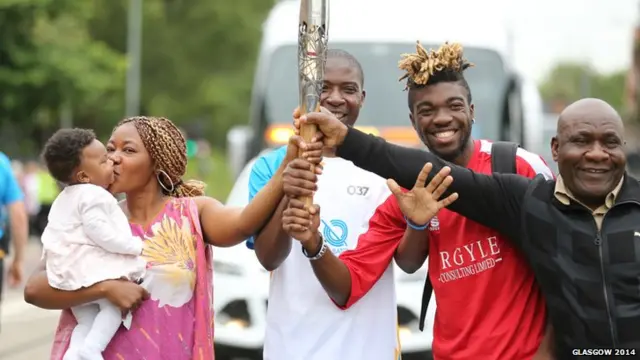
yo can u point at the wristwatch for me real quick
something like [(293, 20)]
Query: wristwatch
[(323, 249)]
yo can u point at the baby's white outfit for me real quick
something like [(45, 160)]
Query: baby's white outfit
[(88, 240)]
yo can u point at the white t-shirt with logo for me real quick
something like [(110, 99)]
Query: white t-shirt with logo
[(302, 321)]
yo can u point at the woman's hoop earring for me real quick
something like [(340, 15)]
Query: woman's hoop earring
[(169, 190)]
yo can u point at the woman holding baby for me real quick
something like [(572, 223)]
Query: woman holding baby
[(175, 222)]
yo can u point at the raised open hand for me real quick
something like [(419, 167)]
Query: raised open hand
[(422, 202)]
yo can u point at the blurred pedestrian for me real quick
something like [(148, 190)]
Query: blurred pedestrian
[(16, 232), (31, 190), (48, 189)]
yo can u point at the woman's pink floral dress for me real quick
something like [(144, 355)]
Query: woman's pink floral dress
[(176, 323)]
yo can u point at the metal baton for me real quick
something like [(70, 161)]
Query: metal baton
[(313, 35)]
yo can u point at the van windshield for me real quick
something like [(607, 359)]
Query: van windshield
[(386, 103)]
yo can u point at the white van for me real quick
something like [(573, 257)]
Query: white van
[(507, 106)]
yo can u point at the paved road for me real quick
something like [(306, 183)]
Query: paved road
[(27, 332)]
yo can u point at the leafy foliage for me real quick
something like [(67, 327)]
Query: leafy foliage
[(572, 81), (67, 58)]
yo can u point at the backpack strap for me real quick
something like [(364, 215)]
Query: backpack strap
[(503, 157), (503, 160), (426, 297)]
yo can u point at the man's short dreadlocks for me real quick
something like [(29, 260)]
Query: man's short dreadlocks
[(426, 68)]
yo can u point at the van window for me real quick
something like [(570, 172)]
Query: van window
[(386, 103)]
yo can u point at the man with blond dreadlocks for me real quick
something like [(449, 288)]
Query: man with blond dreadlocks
[(489, 306)]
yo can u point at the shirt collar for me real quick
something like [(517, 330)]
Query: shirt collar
[(562, 193)]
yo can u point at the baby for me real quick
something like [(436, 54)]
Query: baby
[(88, 238)]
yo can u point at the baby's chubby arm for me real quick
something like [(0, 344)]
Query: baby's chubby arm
[(99, 225)]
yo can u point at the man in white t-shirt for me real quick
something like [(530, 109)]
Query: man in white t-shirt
[(302, 321)]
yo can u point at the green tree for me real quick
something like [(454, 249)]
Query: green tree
[(69, 56), (572, 81), (198, 58), (50, 64)]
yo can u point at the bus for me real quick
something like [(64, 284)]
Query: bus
[(508, 106)]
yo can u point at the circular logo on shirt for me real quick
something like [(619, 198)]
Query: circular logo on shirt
[(335, 233)]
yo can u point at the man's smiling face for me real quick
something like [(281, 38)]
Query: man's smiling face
[(442, 115), (342, 92)]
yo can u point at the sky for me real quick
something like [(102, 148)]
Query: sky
[(545, 32), (549, 31)]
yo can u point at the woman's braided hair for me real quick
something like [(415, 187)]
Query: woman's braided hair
[(168, 150), (424, 65)]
